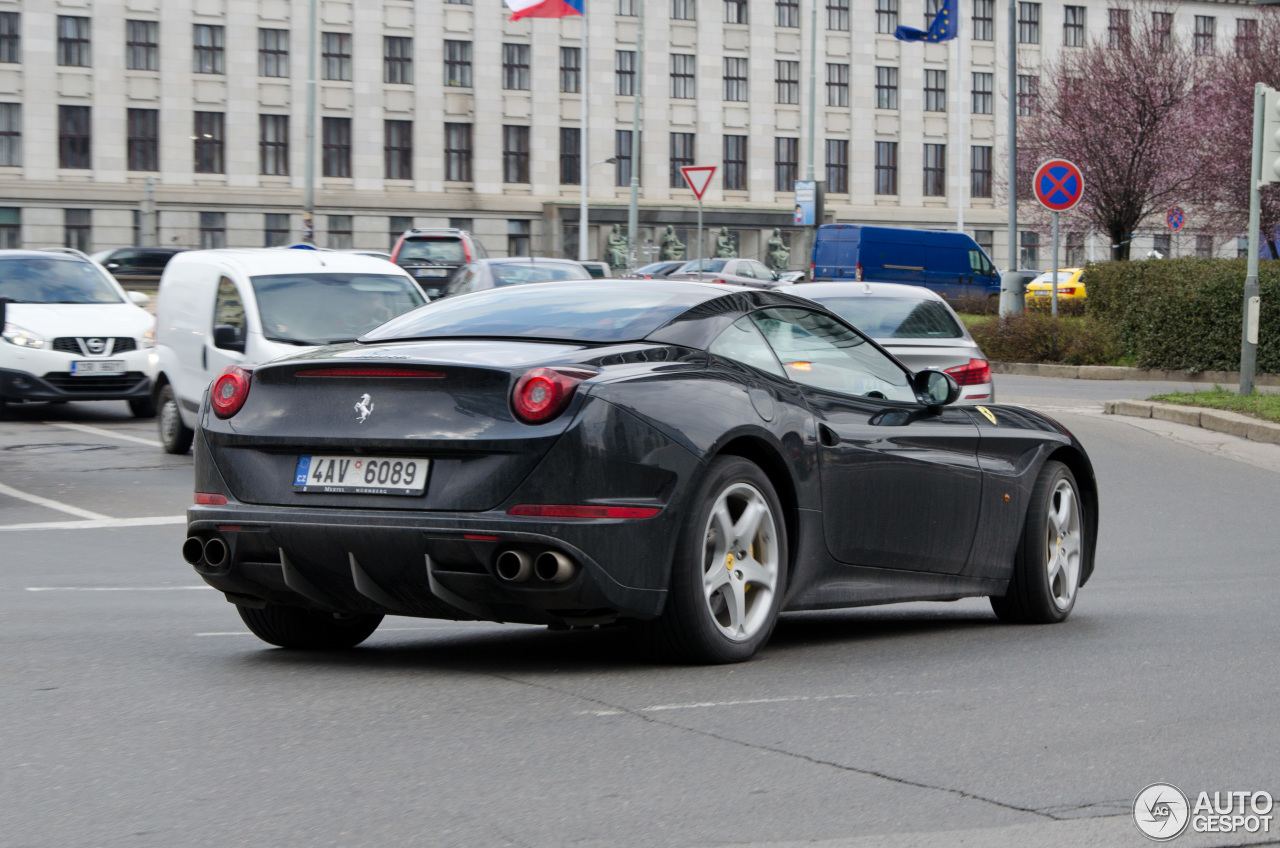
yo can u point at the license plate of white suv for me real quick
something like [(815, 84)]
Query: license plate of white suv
[(360, 475), (82, 367), (431, 272)]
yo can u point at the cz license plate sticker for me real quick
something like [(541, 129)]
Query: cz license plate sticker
[(83, 367), (361, 475)]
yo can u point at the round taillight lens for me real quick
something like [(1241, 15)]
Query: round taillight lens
[(543, 393), (230, 391)]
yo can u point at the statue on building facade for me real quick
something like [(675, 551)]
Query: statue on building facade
[(617, 249), (726, 248), (777, 255), (671, 248)]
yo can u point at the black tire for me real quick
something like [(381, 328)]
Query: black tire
[(686, 631), (175, 437), (1030, 598), (303, 630), (142, 407)]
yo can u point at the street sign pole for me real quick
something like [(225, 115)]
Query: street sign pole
[(1058, 185), (1054, 310), (698, 179), (1249, 329)]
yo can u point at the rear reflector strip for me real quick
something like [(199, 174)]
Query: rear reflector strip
[(370, 372), (210, 500), (564, 511), (476, 537)]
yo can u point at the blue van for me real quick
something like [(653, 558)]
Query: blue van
[(950, 264)]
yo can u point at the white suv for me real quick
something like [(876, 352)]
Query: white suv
[(71, 332)]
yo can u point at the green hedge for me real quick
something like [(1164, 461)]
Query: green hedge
[(1184, 314), (1036, 336)]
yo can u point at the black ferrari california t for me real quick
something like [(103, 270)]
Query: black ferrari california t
[(688, 459)]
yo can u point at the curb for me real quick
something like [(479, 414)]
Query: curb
[(1220, 421), (1120, 372)]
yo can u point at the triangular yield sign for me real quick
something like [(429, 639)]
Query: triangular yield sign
[(699, 178)]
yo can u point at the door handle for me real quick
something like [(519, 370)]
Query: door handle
[(830, 438)]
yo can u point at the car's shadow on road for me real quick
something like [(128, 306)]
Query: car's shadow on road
[(84, 412)]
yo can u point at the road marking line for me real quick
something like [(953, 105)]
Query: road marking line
[(99, 431), (781, 700), (51, 504), (102, 522), (113, 588)]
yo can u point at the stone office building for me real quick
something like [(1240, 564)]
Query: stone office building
[(442, 112)]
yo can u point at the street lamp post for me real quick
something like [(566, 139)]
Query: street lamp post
[(309, 191), (633, 205), (583, 226)]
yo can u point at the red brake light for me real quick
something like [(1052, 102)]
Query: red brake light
[(230, 391), (976, 373), (725, 282), (543, 393), (568, 511), (857, 272), (206, 499), (369, 372), (1071, 290)]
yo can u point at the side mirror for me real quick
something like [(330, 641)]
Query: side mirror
[(140, 298), (227, 337), (935, 388), (111, 266)]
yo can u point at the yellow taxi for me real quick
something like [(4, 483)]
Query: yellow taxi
[(1070, 287)]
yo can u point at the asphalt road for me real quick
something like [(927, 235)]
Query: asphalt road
[(138, 711)]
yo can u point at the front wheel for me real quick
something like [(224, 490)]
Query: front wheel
[(175, 437), (290, 627), (142, 407)]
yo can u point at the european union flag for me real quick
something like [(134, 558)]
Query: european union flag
[(945, 26)]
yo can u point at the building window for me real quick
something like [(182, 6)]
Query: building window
[(571, 70), (886, 16), (788, 13), (1028, 95), (273, 144), (339, 232), (143, 142), (624, 72), (10, 228), (1028, 250), (73, 137), (213, 230), (838, 166), (273, 52), (275, 229), (208, 55), (683, 82), (681, 157), (1246, 37), (397, 149), (398, 225), (515, 154), (73, 41), (1118, 27), (735, 163), (735, 79), (786, 82), (457, 153), (735, 11), (397, 61), (457, 63), (1204, 246), (335, 55), (786, 161), (209, 139), (886, 88), (1028, 23), (837, 85), (683, 10), (10, 37), (886, 167), (838, 15), (627, 8), (1162, 28), (986, 240), (142, 45), (336, 151), (622, 145), (78, 228), (1075, 248), (465, 224), (1073, 26), (518, 238), (935, 91), (979, 171), (1204, 35), (11, 134), (931, 10), (984, 25), (570, 156), (515, 67), (983, 97), (935, 170)]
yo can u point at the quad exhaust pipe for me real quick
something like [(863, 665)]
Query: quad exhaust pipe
[(554, 567), (515, 566), (211, 553)]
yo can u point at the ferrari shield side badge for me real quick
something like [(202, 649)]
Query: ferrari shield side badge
[(988, 413)]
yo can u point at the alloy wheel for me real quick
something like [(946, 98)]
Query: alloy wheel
[(1063, 544), (740, 561)]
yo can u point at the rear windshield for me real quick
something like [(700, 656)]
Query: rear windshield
[(586, 312), (896, 317), (52, 279), (512, 274), (445, 250), (316, 309)]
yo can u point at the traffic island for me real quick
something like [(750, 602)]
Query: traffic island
[(1221, 421)]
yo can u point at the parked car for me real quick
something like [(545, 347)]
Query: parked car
[(657, 270), (951, 264), (791, 277), (915, 325), (1070, 287), (687, 460), (71, 332), (219, 308), (598, 270), (433, 255), (740, 272), (513, 271), (136, 267)]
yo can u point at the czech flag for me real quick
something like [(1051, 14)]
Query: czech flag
[(544, 8)]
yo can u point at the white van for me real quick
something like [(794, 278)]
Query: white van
[(242, 307)]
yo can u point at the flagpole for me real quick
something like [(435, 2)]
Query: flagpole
[(960, 126), (633, 205), (584, 143)]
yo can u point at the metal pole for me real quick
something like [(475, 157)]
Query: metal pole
[(309, 196), (1013, 135), (1054, 290), (813, 88), (698, 257), (633, 207), (960, 124), (584, 143), (1249, 330), (148, 214)]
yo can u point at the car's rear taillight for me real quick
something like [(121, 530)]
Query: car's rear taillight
[(718, 280), (857, 272), (207, 499), (543, 393), (1062, 290), (976, 373), (230, 391)]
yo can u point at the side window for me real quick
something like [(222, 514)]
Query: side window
[(742, 342), (979, 264), (762, 271), (123, 258), (821, 352), (228, 315), (744, 269)]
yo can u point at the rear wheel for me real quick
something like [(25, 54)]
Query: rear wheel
[(175, 436), (303, 630)]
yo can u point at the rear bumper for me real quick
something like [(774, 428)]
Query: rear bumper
[(20, 385)]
